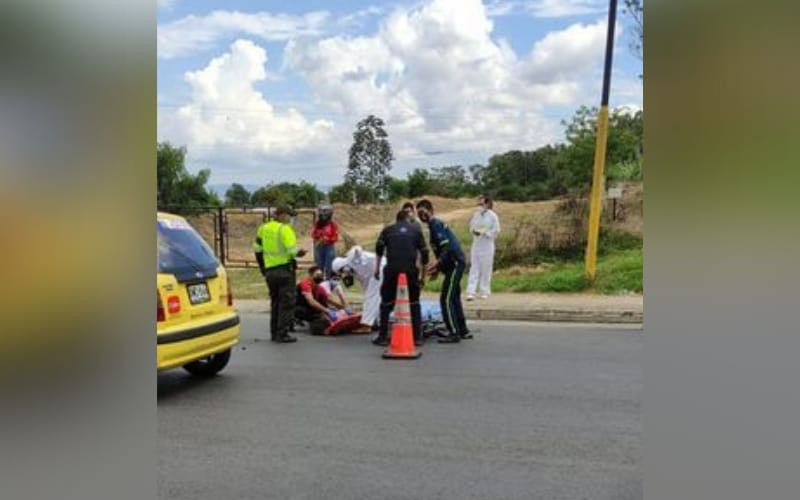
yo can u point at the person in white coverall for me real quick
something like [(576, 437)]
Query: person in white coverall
[(360, 264), (485, 227)]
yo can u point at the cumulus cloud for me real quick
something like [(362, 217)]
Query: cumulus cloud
[(442, 82), (193, 34), (569, 52), (226, 111), (435, 72)]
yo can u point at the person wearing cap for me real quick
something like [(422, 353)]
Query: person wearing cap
[(359, 264), (276, 249), (325, 234)]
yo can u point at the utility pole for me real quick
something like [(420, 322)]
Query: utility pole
[(598, 178)]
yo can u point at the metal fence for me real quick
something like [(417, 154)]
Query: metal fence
[(230, 231)]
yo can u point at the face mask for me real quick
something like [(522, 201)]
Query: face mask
[(318, 279)]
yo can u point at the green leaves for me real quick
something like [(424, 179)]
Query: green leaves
[(369, 162), (176, 186)]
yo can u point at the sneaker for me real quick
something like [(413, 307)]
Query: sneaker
[(450, 339), (467, 335), (470, 298), (380, 341), (484, 296), (287, 339)]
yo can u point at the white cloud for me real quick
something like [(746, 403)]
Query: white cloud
[(227, 112), (441, 81), (571, 51), (166, 3), (565, 8), (434, 72), (499, 8), (356, 19), (192, 34)]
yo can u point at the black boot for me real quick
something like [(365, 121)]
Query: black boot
[(450, 339), (287, 339), (380, 340)]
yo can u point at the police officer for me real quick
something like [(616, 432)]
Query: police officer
[(451, 262), (403, 243), (276, 249)]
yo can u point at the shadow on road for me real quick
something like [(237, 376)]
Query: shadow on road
[(173, 383)]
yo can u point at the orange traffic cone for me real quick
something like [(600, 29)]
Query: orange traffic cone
[(402, 343)]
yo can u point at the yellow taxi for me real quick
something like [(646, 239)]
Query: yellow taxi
[(196, 324)]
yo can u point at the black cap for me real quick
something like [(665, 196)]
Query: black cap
[(283, 208)]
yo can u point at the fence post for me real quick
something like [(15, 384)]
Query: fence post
[(222, 234)]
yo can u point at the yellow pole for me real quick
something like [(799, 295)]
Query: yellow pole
[(596, 200), (598, 176)]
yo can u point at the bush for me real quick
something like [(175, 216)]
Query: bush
[(625, 171)]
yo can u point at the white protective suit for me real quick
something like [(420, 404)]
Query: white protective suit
[(363, 265), (482, 253)]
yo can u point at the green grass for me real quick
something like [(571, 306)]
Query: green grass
[(618, 271)]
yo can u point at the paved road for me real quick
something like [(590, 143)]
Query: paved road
[(523, 411)]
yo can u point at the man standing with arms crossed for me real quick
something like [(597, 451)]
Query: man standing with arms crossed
[(402, 242), (275, 247), (450, 261)]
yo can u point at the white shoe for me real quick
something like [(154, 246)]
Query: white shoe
[(470, 297), (484, 296)]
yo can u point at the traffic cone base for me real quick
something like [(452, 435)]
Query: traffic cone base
[(402, 342)]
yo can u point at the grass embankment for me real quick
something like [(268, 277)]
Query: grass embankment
[(618, 271), (540, 248)]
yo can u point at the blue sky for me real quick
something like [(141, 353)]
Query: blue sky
[(262, 91)]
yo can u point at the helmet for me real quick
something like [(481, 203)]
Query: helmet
[(339, 263), (324, 212)]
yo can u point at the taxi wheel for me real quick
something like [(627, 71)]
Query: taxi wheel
[(210, 366)]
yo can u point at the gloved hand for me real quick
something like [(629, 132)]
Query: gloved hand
[(332, 314), (348, 310)]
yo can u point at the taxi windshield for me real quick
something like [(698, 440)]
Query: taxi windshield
[(181, 251)]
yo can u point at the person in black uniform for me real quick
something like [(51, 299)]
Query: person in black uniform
[(451, 262), (403, 243)]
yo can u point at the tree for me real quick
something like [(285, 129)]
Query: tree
[(635, 10), (303, 195), (370, 159), (177, 188), (268, 196), (625, 141), (397, 189), (420, 183), (237, 196)]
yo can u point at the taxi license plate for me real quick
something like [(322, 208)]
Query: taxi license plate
[(198, 293)]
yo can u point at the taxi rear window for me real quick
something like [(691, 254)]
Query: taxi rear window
[(181, 251)]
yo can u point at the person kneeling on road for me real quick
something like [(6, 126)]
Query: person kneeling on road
[(313, 303), (333, 290)]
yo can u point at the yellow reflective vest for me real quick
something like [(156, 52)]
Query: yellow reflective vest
[(277, 242)]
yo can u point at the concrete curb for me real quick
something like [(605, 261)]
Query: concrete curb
[(534, 314)]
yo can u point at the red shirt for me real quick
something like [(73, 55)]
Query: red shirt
[(329, 233), (319, 293)]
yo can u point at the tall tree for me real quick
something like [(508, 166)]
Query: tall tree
[(237, 195), (176, 186), (370, 158)]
